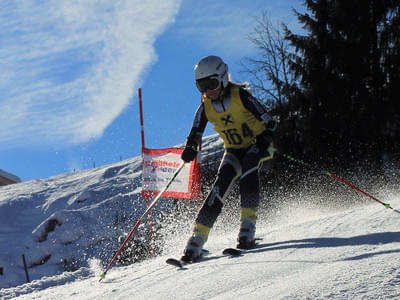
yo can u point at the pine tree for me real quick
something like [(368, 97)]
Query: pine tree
[(347, 65)]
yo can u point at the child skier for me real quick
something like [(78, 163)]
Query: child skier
[(246, 129)]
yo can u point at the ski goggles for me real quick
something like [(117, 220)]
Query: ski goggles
[(209, 83)]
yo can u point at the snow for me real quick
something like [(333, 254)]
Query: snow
[(306, 251)]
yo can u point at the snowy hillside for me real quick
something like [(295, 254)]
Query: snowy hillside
[(60, 222), (306, 251)]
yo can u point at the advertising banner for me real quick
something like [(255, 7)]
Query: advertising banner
[(159, 165)]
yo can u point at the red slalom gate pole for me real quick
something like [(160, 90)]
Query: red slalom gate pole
[(387, 205), (150, 219), (141, 117)]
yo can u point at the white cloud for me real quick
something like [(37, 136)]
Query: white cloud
[(69, 67)]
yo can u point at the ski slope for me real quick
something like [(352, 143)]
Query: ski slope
[(307, 250), (304, 253)]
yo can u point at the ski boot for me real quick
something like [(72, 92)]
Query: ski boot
[(195, 244), (193, 248), (246, 235)]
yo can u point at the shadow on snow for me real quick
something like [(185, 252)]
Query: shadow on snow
[(330, 242)]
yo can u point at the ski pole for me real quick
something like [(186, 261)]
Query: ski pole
[(102, 276), (387, 205)]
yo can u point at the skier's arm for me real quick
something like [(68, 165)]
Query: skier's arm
[(198, 127), (194, 138), (257, 109), (264, 140)]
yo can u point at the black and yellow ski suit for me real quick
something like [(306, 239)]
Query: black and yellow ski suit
[(242, 122)]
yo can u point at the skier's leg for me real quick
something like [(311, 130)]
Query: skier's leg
[(249, 193), (228, 172)]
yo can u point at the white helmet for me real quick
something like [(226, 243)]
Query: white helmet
[(211, 67)]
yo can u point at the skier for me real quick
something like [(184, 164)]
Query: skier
[(246, 129)]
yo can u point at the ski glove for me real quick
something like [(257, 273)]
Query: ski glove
[(264, 140), (272, 125), (190, 152)]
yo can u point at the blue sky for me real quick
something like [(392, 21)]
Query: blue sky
[(71, 70)]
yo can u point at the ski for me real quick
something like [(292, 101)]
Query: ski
[(239, 252), (180, 264), (232, 252), (175, 262)]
